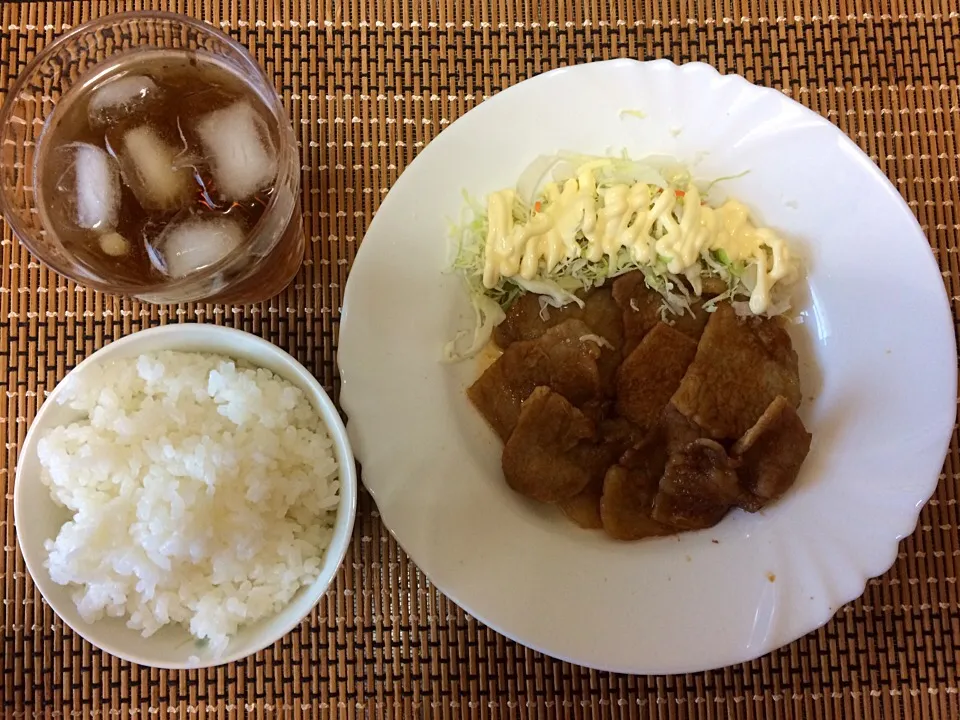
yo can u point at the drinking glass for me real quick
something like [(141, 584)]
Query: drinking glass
[(272, 252)]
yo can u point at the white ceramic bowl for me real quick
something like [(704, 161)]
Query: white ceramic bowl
[(38, 519)]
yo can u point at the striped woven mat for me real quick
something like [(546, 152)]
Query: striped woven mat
[(369, 83)]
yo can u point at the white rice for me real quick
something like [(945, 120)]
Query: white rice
[(202, 493)]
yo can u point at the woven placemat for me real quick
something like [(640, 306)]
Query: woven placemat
[(369, 83)]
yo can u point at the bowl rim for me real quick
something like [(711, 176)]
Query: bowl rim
[(329, 415)]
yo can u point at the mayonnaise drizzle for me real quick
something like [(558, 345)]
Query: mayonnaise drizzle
[(648, 222)]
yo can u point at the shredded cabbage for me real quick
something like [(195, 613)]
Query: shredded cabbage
[(567, 282), (597, 340), (488, 315)]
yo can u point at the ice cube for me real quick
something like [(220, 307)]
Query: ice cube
[(119, 97), (114, 244), (187, 246), (97, 188), (151, 170), (240, 151)]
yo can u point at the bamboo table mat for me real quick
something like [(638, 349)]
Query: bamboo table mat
[(369, 83)]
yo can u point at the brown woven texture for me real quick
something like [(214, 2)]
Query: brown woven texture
[(368, 84)]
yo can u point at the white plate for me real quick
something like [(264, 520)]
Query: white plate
[(878, 368)]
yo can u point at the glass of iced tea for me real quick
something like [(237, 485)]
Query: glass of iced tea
[(147, 154)]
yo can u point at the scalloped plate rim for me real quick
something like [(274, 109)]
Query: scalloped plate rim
[(922, 490)]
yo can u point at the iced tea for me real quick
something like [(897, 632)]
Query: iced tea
[(168, 172)]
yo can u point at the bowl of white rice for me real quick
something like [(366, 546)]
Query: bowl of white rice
[(185, 496)]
